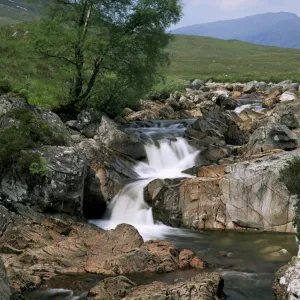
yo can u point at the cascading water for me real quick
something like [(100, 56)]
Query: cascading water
[(165, 159)]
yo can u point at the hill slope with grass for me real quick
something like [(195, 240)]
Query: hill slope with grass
[(271, 29), (15, 11), (205, 57), (190, 57)]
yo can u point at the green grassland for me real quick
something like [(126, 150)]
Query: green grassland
[(16, 11), (204, 57), (44, 81)]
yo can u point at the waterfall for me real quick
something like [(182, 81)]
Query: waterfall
[(165, 159)]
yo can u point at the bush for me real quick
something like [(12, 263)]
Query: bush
[(164, 88), (290, 175), (5, 86), (19, 141)]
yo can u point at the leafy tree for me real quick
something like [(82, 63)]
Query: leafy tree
[(111, 48)]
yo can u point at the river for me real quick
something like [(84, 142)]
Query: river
[(246, 260)]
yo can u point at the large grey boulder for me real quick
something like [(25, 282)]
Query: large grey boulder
[(61, 190), (115, 139), (9, 103), (271, 136), (247, 194), (215, 128), (250, 87), (288, 97), (5, 292), (197, 84)]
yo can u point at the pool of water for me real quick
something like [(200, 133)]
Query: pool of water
[(247, 261)]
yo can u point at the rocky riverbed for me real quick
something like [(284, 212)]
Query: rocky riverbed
[(241, 136)]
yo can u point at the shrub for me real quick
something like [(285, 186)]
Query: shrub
[(5, 86), (290, 175), (19, 141), (164, 88)]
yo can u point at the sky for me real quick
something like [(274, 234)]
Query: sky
[(202, 11)]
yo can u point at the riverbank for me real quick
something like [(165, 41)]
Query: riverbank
[(233, 151)]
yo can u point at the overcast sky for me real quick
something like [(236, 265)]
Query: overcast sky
[(202, 11)]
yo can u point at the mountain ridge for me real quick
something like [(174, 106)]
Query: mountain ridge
[(269, 29)]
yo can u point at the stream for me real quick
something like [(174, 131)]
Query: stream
[(247, 261)]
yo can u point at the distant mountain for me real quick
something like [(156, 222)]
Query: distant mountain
[(270, 29), (15, 11)]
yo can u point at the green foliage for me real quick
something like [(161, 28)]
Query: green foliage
[(5, 85), (39, 167), (112, 47), (291, 178), (164, 88), (18, 141)]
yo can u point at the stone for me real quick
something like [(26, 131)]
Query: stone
[(5, 292), (226, 102), (126, 112), (287, 282), (250, 87), (62, 188), (271, 136), (288, 97), (197, 84), (244, 195), (113, 138), (203, 286), (186, 103), (173, 102), (111, 288)]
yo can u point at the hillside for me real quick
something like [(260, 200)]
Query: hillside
[(271, 29), (15, 11), (204, 57)]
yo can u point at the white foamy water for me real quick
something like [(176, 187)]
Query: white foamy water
[(165, 159)]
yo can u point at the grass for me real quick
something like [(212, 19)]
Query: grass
[(191, 57), (209, 58), (17, 11)]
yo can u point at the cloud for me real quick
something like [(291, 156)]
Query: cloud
[(226, 5)]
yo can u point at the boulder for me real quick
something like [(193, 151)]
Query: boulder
[(5, 292), (288, 97), (61, 190), (271, 136), (203, 286), (173, 102), (186, 103), (244, 195), (250, 87), (287, 282), (215, 128), (111, 288), (113, 138), (197, 84), (37, 247), (87, 122), (226, 102)]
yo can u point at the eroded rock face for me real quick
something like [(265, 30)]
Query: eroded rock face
[(247, 194), (5, 292), (115, 139), (287, 282), (271, 136), (36, 247), (62, 188), (203, 286)]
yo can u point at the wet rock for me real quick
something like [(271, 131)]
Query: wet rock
[(287, 282), (244, 195), (203, 286), (271, 136), (126, 112), (186, 104), (112, 137), (5, 292), (214, 153), (111, 288)]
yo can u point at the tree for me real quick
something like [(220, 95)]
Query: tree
[(110, 47)]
